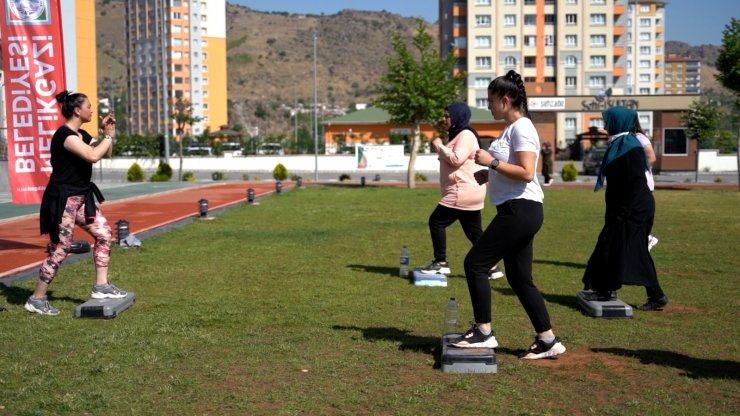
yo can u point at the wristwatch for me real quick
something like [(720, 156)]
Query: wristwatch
[(494, 164)]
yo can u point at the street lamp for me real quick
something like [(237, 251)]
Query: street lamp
[(315, 116)]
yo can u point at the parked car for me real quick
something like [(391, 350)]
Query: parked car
[(235, 149), (270, 149), (134, 150), (198, 149), (592, 161)]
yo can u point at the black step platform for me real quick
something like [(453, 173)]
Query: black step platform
[(466, 360), (104, 308), (612, 309)]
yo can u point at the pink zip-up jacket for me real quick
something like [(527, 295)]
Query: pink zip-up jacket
[(456, 168)]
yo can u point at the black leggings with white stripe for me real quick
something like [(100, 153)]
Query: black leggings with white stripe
[(508, 237)]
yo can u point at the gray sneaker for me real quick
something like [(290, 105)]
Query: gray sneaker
[(107, 291), (41, 306)]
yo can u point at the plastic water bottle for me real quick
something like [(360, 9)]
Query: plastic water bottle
[(452, 317), (403, 271)]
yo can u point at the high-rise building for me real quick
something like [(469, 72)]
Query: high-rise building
[(596, 48), (176, 50), (682, 75)]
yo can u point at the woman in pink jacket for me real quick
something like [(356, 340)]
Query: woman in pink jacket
[(462, 196)]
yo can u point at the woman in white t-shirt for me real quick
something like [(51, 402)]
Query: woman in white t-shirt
[(650, 154), (515, 191)]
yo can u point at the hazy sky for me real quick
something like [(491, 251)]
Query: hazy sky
[(692, 21)]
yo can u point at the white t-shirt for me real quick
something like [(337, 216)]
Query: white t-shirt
[(644, 141), (520, 136)]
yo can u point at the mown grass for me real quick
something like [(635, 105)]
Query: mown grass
[(294, 306)]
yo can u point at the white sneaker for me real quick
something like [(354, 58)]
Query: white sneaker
[(495, 273), (652, 241)]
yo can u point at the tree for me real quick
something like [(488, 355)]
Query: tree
[(701, 125), (417, 86), (183, 117), (728, 65)]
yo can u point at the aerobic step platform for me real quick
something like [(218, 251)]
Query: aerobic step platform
[(104, 308), (613, 309), (466, 360), (421, 279)]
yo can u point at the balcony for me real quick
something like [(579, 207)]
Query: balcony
[(618, 9)]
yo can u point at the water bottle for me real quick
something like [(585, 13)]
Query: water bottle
[(452, 317), (403, 271)]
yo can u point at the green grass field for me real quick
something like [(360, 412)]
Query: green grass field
[(294, 306)]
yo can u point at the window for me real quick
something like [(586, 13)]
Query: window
[(482, 82), (570, 82), (675, 142), (644, 91), (598, 40), (644, 22), (510, 61), (483, 20), (597, 81), (570, 123), (644, 120), (571, 61), (510, 41), (549, 61), (530, 61), (571, 40), (571, 1), (644, 63), (510, 20), (598, 61), (481, 102), (482, 2), (530, 20), (530, 41), (571, 19), (644, 77), (550, 19), (483, 62), (596, 122), (598, 19), (482, 41), (645, 8), (509, 2), (644, 50), (549, 40), (598, 1), (461, 42), (645, 36)]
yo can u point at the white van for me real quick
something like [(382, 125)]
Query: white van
[(270, 149)]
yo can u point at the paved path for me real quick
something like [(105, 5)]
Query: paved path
[(23, 248)]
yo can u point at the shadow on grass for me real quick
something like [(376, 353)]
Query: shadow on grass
[(562, 263), (426, 345), (384, 270), (18, 296), (565, 300), (694, 367)]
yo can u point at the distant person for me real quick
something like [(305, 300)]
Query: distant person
[(462, 197), (650, 153), (546, 162), (69, 199), (621, 256), (514, 189)]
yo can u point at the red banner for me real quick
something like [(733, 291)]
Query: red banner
[(33, 64)]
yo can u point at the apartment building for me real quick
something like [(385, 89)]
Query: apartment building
[(598, 49), (682, 75), (176, 50)]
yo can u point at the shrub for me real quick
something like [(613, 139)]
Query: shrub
[(569, 173), (158, 177), (188, 177), (280, 173), (420, 177), (217, 175), (717, 179), (165, 170), (135, 173), (344, 177), (245, 176), (294, 177)]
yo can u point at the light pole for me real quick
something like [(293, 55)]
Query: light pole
[(315, 116)]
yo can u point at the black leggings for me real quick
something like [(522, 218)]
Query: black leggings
[(442, 217), (508, 237)]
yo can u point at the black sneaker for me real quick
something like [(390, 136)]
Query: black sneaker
[(475, 339), (600, 296), (436, 267), (541, 349), (654, 305)]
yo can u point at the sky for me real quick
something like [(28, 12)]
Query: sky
[(691, 21)]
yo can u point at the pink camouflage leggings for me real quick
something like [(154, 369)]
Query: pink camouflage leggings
[(74, 212)]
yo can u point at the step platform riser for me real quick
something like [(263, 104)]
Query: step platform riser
[(467, 360), (613, 309), (104, 308)]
